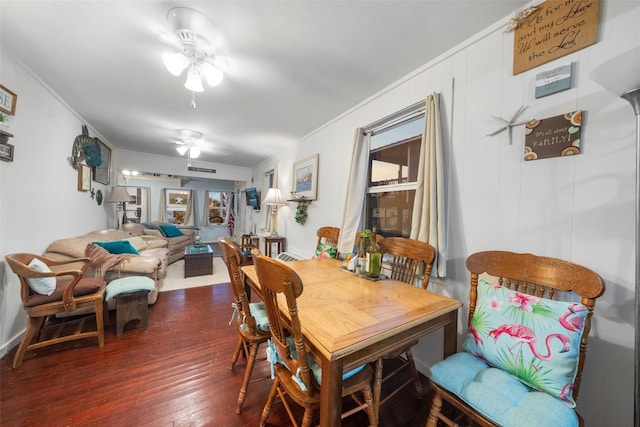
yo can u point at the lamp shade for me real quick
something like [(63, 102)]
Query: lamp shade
[(274, 197), (119, 194), (620, 74), (182, 149), (194, 79), (175, 62), (213, 75)]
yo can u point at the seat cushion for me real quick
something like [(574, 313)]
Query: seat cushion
[(272, 356), (85, 286), (259, 313), (129, 284), (499, 396)]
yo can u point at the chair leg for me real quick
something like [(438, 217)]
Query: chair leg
[(236, 353), (269, 403), (307, 418), (372, 411), (33, 327), (247, 377), (416, 377), (434, 412), (100, 322)]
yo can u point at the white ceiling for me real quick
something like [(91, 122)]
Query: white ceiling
[(293, 65)]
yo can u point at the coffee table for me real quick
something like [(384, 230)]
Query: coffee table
[(198, 260)]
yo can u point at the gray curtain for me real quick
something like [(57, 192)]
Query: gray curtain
[(190, 214), (356, 189), (428, 207), (162, 209)]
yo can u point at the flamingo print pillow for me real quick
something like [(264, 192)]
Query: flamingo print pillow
[(537, 340)]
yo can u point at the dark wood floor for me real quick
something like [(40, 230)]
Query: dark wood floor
[(175, 373)]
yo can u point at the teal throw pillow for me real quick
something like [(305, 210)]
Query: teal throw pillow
[(534, 339), (118, 247), (41, 285), (171, 231)]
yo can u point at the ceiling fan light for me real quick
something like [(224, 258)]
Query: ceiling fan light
[(175, 62), (194, 80), (182, 149), (194, 152), (213, 75)]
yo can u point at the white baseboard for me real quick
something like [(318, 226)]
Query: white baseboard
[(11, 343)]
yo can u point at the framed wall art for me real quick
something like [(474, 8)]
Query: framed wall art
[(101, 173), (84, 177), (305, 177), (6, 152), (7, 101)]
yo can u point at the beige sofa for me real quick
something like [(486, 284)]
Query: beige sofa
[(175, 245), (151, 262)]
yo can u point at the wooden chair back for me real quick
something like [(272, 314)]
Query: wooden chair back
[(406, 257), (276, 278), (329, 234), (542, 277), (232, 256)]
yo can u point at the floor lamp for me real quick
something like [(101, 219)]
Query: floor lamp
[(621, 75), (120, 195)]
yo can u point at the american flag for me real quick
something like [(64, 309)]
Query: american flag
[(229, 200)]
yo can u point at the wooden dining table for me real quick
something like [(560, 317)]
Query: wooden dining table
[(348, 320)]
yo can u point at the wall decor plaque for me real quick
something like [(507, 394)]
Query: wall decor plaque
[(553, 137), (553, 30)]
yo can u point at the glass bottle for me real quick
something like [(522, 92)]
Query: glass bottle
[(373, 257)]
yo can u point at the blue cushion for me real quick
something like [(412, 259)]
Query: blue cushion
[(151, 226), (118, 247), (171, 231), (534, 339), (499, 396), (41, 285), (129, 284), (316, 370), (259, 313)]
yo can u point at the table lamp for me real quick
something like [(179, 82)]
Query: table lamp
[(621, 75), (274, 199), (121, 196)]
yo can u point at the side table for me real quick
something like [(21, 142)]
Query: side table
[(269, 241), (198, 260)]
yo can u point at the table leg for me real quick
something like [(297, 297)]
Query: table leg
[(331, 393), (450, 335)]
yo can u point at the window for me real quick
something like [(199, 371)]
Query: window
[(393, 170), (217, 206), (176, 205)]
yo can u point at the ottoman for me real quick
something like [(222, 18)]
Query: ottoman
[(131, 300)]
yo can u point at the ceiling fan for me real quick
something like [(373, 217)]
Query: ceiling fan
[(187, 143), (199, 40)]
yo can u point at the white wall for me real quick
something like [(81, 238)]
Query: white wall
[(578, 208)]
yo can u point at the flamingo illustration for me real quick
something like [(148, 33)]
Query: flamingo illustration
[(524, 335), (574, 324), (474, 332), (566, 391)]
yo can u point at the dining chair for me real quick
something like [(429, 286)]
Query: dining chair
[(296, 373), (49, 287), (522, 359), (327, 245), (251, 318), (405, 259)]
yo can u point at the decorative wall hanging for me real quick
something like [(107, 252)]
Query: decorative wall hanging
[(305, 177), (507, 125), (101, 173), (99, 197), (553, 81), (77, 151), (553, 30), (6, 152), (302, 208), (553, 137), (7, 101), (84, 177)]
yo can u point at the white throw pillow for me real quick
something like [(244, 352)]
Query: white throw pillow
[(149, 232), (137, 242), (41, 285)]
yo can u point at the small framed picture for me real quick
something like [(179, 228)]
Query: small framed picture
[(84, 177), (6, 152), (7, 101), (305, 177)]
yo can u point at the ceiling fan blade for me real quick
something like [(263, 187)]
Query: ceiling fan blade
[(175, 62)]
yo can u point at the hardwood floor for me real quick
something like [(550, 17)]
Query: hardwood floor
[(175, 373)]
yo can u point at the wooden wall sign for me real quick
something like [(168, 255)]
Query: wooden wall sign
[(553, 30), (553, 136)]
